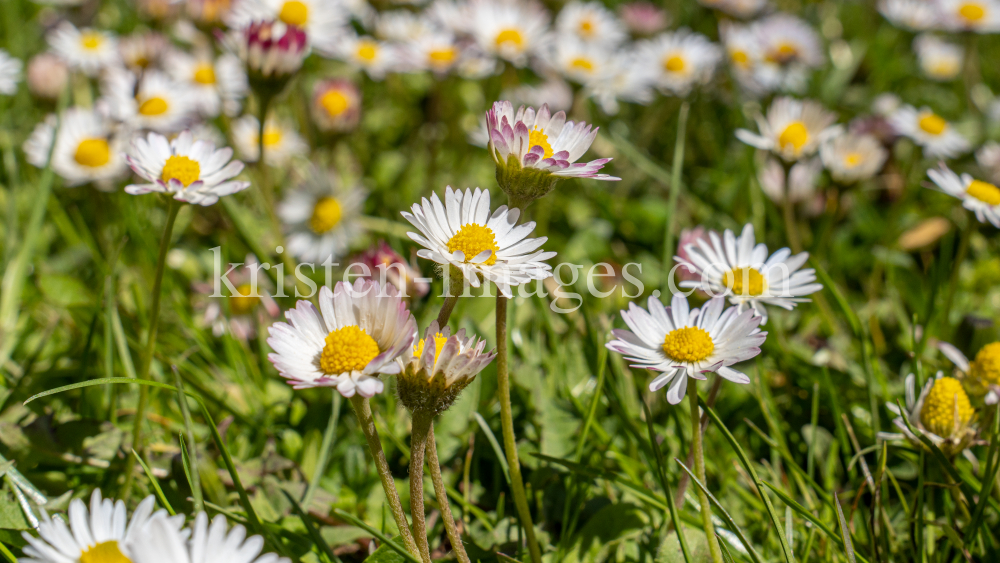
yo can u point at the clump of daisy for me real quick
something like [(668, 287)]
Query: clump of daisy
[(466, 235), (851, 157), (942, 412), (10, 73), (979, 197), (679, 60), (981, 376), (793, 129), (741, 269), (87, 148), (533, 150), (336, 105), (87, 50), (162, 542), (217, 84), (356, 334), (320, 217), (939, 60), (938, 138), (188, 170)]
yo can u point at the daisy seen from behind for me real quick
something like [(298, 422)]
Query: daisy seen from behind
[(979, 197), (938, 138), (792, 128), (163, 543), (320, 217), (356, 334), (683, 343), (87, 148), (87, 50)]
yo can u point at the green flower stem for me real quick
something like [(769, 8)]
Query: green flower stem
[(442, 497), (971, 226), (509, 440), (456, 286), (422, 423), (363, 411), (699, 469), (147, 356), (324, 451), (675, 190)]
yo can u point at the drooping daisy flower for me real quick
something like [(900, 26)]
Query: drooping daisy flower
[(850, 157), (355, 335), (584, 63), (590, 22), (142, 50), (929, 130), (915, 15), (322, 21), (981, 376), (320, 217), (281, 141), (682, 342), (88, 50), (511, 30), (792, 129), (464, 233), (243, 310), (939, 60), (10, 73), (979, 197), (156, 104), (738, 268), (790, 48), (375, 57), (980, 16), (216, 84), (163, 543), (942, 413), (87, 149), (271, 52), (189, 170), (336, 105), (440, 366), (679, 60)]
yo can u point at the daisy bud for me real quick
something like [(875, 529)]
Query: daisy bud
[(47, 76), (644, 18), (336, 105), (401, 274), (271, 51)]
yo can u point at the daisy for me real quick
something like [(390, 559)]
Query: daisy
[(87, 149), (10, 73), (142, 50), (682, 342), (191, 171), (942, 412), (979, 197), (320, 217), (939, 60), (988, 158), (440, 366), (436, 51), (356, 334), (590, 22), (929, 130), (581, 62), (740, 269), (156, 104), (281, 142), (215, 84), (88, 50), (915, 15), (744, 51), (511, 30), (681, 60), (366, 53), (850, 157), (792, 129), (980, 16), (402, 26), (242, 311), (323, 21), (163, 543), (981, 375), (790, 49), (463, 233), (336, 105), (624, 80), (542, 141), (271, 52)]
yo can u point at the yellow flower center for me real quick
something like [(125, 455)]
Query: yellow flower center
[(784, 53), (367, 50), (740, 58), (538, 138), (91, 40), (747, 282), (853, 159), (153, 106), (688, 344), (472, 240), (945, 401), (583, 64), (587, 28), (243, 302), (326, 215), (986, 367), (204, 74), (439, 342), (334, 102), (511, 37), (182, 169), (272, 136), (347, 349), (795, 135), (972, 12), (932, 124), (140, 61), (104, 552), (294, 13), (92, 152), (944, 68), (674, 64), (984, 192), (442, 57)]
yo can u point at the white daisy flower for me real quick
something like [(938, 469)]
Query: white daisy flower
[(88, 50), (156, 104), (189, 170), (462, 232), (679, 60), (104, 533), (323, 21), (216, 85), (10, 73), (942, 412), (939, 60), (356, 334), (242, 311), (511, 30), (793, 128), (980, 16), (851, 157), (929, 130), (682, 342), (142, 49), (451, 15), (402, 26), (584, 63), (745, 53), (336, 105), (915, 15), (790, 49), (320, 217), (163, 543), (376, 58), (738, 268), (436, 51), (543, 141), (590, 22), (281, 141), (87, 149), (981, 375), (979, 197), (624, 79)]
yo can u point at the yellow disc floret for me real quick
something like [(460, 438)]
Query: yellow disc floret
[(946, 401), (367, 50), (204, 74), (984, 192), (538, 138), (244, 301), (747, 281), (182, 169), (439, 341), (326, 215), (442, 57), (294, 13), (510, 37), (985, 369), (688, 344), (674, 64), (796, 135), (91, 40), (104, 552), (347, 349), (472, 240), (154, 106), (92, 152), (272, 136), (972, 12), (853, 159), (932, 124), (334, 102)]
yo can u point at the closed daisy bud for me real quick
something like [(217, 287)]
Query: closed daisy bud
[(47, 76), (271, 51), (943, 413)]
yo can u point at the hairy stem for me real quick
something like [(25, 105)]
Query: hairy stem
[(699, 470), (456, 284), (418, 444), (442, 497)]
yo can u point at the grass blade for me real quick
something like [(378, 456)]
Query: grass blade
[(156, 484), (845, 532), (665, 483), (496, 445), (311, 528), (191, 458), (324, 450), (376, 534)]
